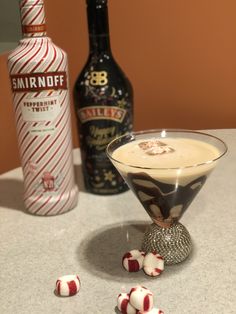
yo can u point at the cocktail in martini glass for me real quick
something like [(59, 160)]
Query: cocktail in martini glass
[(166, 169)]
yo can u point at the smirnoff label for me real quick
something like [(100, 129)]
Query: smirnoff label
[(101, 112), (36, 82)]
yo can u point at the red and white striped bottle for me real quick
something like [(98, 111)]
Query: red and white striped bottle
[(38, 73)]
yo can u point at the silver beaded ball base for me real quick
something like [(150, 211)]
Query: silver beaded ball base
[(173, 243)]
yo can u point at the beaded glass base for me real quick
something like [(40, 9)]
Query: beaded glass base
[(173, 243)]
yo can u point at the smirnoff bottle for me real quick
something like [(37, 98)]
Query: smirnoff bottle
[(38, 74), (104, 105)]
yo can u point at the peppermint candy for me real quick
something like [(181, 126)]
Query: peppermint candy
[(153, 264), (68, 285), (155, 147), (141, 298), (138, 301), (132, 261), (124, 305)]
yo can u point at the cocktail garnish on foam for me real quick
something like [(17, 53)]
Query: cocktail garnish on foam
[(155, 147)]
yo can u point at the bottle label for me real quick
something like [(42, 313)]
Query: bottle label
[(101, 112), (35, 109), (104, 113), (29, 29), (36, 82), (99, 138)]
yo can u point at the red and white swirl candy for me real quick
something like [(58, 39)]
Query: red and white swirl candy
[(153, 264), (132, 261), (141, 298), (67, 285), (124, 305)]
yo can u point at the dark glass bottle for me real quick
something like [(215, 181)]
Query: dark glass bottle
[(104, 105)]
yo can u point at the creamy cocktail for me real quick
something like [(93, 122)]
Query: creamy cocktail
[(165, 174), (166, 169)]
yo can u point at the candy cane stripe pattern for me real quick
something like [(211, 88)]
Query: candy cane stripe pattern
[(39, 79), (133, 261), (67, 286), (153, 264), (141, 298), (33, 18), (124, 305)]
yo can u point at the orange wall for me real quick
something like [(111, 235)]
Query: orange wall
[(180, 56)]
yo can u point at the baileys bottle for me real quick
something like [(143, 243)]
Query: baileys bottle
[(104, 105)]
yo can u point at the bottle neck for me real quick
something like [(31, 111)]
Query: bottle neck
[(32, 18), (98, 25)]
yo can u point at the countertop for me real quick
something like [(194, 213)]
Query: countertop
[(91, 240)]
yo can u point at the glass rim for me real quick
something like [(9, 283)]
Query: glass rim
[(196, 132)]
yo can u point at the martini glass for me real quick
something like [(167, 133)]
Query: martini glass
[(166, 169)]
